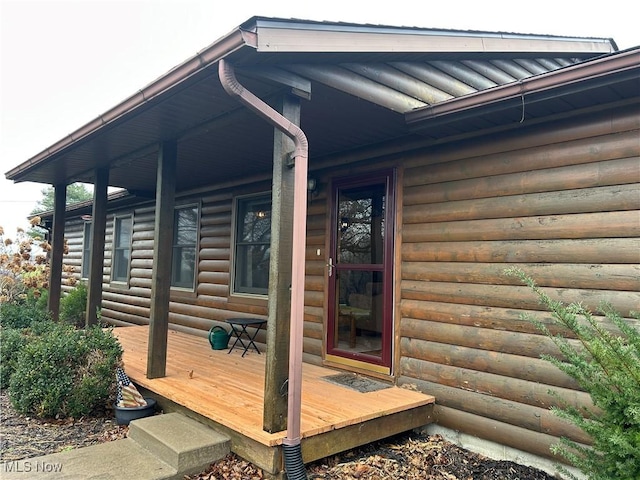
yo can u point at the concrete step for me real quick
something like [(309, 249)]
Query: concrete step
[(161, 447), (106, 461), (183, 443)]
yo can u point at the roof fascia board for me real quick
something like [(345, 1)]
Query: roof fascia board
[(581, 72), (283, 36), (211, 54)]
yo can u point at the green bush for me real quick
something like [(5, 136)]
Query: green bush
[(74, 305), (12, 340), (65, 372), (21, 313), (607, 366)]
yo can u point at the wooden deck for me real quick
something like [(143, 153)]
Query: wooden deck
[(227, 392)]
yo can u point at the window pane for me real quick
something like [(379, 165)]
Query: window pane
[(183, 270), (252, 268), (123, 232), (185, 241), (186, 227), (86, 250), (121, 265), (253, 242), (122, 249)]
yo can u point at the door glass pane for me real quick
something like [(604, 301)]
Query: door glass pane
[(361, 225), (360, 312)]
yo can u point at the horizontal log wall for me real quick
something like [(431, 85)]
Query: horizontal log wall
[(562, 203), (211, 303)]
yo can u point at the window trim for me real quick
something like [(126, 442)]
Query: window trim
[(182, 206), (114, 247), (250, 297)]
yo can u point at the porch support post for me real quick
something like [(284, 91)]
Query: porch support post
[(98, 228), (161, 272), (281, 250), (57, 250)]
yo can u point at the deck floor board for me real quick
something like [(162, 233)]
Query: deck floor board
[(229, 389)]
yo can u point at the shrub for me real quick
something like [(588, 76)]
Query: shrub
[(22, 312), (74, 305), (607, 366), (12, 340), (65, 372)]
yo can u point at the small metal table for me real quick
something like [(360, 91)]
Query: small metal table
[(239, 330)]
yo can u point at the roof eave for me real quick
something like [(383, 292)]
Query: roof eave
[(473, 103), (224, 46)]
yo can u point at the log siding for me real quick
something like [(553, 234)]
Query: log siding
[(561, 202)]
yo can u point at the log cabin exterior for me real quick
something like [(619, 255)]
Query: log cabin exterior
[(437, 159)]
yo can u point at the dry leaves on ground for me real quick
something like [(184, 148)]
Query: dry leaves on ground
[(408, 457)]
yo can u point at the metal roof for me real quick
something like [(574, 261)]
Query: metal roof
[(359, 80)]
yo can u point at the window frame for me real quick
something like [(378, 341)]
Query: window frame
[(196, 247), (115, 248), (258, 294)]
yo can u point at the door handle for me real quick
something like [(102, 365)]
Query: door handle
[(330, 265)]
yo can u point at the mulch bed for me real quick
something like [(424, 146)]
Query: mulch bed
[(408, 456), (26, 437)]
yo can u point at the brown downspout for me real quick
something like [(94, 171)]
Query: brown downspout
[(234, 88)]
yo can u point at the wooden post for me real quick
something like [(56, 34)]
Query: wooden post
[(57, 250), (277, 362), (98, 228), (161, 273)]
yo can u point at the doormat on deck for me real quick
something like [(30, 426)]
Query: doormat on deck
[(356, 382)]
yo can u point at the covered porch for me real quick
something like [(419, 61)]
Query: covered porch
[(226, 392)]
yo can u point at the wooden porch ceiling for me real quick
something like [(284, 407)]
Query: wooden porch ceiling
[(228, 389)]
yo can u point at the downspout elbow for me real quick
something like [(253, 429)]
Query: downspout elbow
[(233, 87)]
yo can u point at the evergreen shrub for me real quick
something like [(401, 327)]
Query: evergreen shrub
[(65, 372), (12, 340), (74, 305), (22, 312), (606, 364)]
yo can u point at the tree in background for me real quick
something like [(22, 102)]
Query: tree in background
[(76, 193)]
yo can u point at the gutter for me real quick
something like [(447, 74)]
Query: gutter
[(292, 442), (203, 59), (574, 74)]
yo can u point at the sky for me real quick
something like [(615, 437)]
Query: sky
[(63, 63)]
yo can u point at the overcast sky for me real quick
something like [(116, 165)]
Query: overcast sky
[(63, 63)]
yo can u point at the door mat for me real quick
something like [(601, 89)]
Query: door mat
[(356, 382)]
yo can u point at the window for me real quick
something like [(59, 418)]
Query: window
[(252, 245), (121, 248), (185, 242), (86, 250)]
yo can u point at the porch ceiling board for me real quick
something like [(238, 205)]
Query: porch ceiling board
[(229, 389)]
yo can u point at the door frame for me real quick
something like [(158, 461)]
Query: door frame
[(384, 363)]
